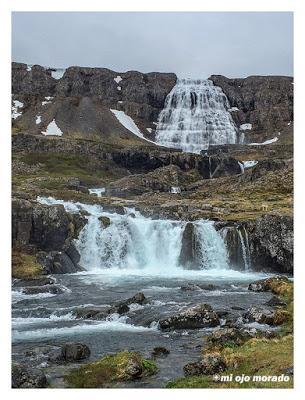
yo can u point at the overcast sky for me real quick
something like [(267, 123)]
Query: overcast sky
[(189, 44)]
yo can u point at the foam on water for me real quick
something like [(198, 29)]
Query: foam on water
[(115, 323)]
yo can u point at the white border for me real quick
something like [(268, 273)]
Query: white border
[(157, 5)]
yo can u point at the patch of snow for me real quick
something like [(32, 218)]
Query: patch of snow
[(48, 100), (129, 124), (29, 67), (155, 123), (118, 79), (58, 73), (97, 191), (266, 142), (52, 130), (120, 102), (232, 109), (16, 105), (245, 127), (38, 119), (149, 130), (249, 163), (242, 169), (175, 189), (119, 88), (289, 123)]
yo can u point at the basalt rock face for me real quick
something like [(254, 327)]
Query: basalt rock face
[(37, 81), (190, 248), (136, 160), (271, 243), (82, 99), (47, 231), (266, 102)]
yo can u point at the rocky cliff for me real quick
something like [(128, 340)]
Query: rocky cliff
[(81, 100), (46, 232), (265, 102)]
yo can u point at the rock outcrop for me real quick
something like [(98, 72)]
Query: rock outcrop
[(265, 102), (271, 243), (48, 232), (201, 316), (82, 98)]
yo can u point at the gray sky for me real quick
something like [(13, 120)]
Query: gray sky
[(189, 44)]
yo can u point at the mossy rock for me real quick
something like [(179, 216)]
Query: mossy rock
[(110, 370), (25, 266), (105, 221)]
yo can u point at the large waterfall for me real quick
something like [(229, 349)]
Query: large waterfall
[(132, 241), (196, 115)]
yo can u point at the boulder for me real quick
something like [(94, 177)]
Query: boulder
[(74, 352), (225, 336), (275, 302), (106, 221), (274, 284), (262, 316), (23, 377), (160, 352), (210, 364), (193, 318)]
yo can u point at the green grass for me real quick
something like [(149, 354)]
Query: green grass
[(25, 266)]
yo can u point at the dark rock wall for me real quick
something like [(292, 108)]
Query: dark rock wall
[(141, 96), (266, 102), (47, 231), (271, 243)]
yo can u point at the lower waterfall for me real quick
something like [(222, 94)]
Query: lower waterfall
[(132, 241)]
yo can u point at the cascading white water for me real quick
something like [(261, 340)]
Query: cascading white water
[(195, 116), (245, 248), (132, 241), (213, 251)]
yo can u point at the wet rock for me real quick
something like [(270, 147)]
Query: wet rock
[(275, 301), (92, 313), (74, 352), (210, 364), (23, 377), (123, 306), (35, 282), (106, 221), (189, 255), (42, 227), (193, 318), (271, 242), (273, 284), (53, 289), (198, 286), (262, 316), (226, 336), (160, 352)]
